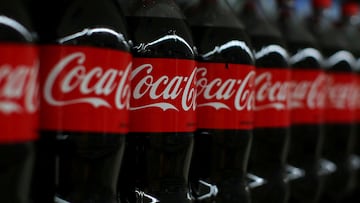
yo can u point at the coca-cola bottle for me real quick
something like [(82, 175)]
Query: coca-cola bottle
[(225, 101), (163, 102), (85, 90), (19, 102), (339, 112), (43, 183), (350, 27), (308, 91), (272, 113)]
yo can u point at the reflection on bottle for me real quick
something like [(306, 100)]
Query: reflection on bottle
[(59, 200), (143, 196), (294, 173), (355, 162), (326, 167), (210, 190), (255, 181)]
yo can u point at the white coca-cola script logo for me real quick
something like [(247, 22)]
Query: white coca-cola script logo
[(19, 89), (310, 94), (271, 94), (93, 85), (340, 95), (168, 89), (218, 91)]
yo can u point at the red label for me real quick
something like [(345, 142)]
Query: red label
[(341, 98), (308, 96), (85, 89), (272, 97), (163, 95), (225, 96), (19, 86)]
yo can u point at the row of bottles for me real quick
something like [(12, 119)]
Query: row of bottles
[(178, 101)]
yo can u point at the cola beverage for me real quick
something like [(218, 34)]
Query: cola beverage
[(339, 112), (350, 11), (85, 90), (272, 113), (43, 182), (225, 101), (19, 102), (307, 103), (163, 103)]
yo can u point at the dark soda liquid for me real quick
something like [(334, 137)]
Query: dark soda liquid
[(16, 159), (306, 139), (156, 165), (16, 168), (82, 166), (221, 156), (269, 149), (339, 139)]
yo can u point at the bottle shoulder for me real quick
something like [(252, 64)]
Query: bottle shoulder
[(223, 44), (295, 31), (90, 23), (334, 46), (153, 8), (161, 37), (259, 26), (216, 14), (270, 51), (15, 23), (12, 31), (352, 34), (303, 55), (302, 46)]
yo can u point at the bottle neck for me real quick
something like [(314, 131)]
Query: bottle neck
[(256, 18), (136, 4), (319, 14), (153, 2), (184, 4), (285, 9), (346, 20), (236, 5), (254, 9), (319, 22), (285, 15), (349, 11), (148, 2), (319, 8), (251, 7), (151, 8), (223, 4), (212, 13), (210, 6)]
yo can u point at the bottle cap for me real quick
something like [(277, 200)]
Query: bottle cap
[(350, 8)]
